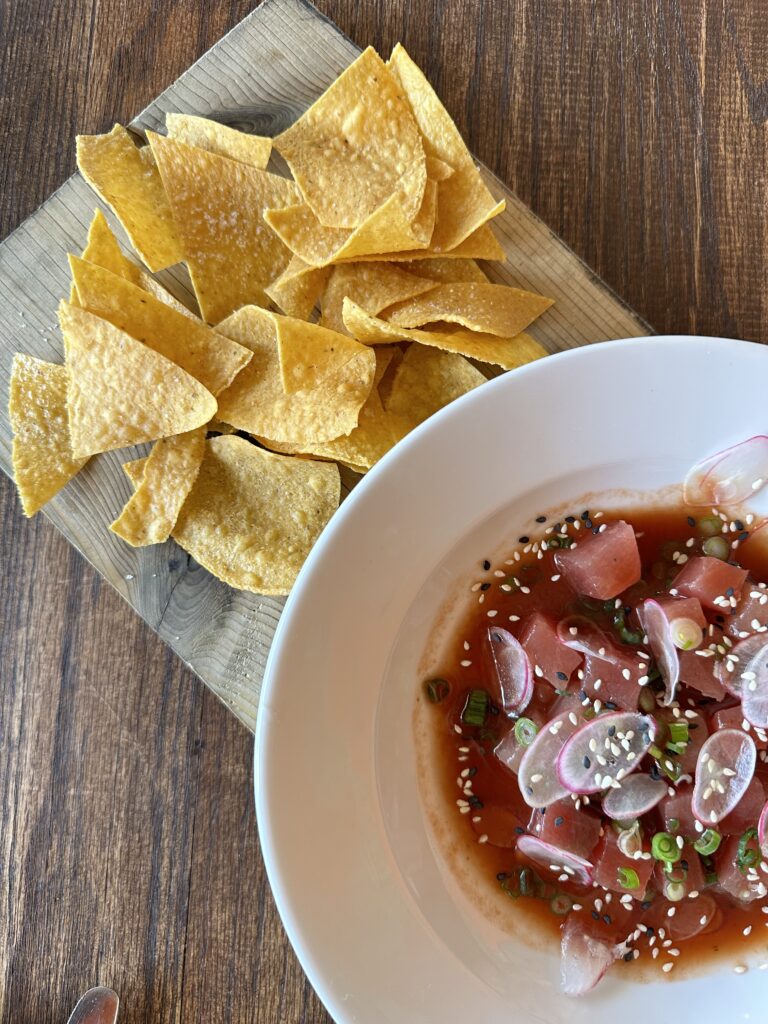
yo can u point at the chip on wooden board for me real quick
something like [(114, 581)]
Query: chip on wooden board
[(256, 401), (480, 245), (298, 288), (217, 205), (309, 353), (219, 138), (373, 286), (487, 308), (167, 478), (121, 392), (357, 146), (445, 271), (127, 180), (488, 348), (212, 359), (252, 517), (42, 453), (426, 380)]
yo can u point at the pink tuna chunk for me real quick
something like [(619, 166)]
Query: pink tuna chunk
[(556, 661), (566, 828), (608, 861), (603, 564), (708, 579)]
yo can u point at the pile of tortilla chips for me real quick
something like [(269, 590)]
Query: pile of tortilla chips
[(336, 310)]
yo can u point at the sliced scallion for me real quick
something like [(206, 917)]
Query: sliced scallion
[(561, 904), (476, 708), (525, 731), (686, 634), (716, 547), (664, 847), (628, 878), (437, 690), (747, 856), (708, 842), (710, 526)]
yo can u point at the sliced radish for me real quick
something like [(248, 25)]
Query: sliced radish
[(581, 634), (762, 831), (510, 668), (556, 859), (538, 783), (659, 631), (691, 917), (638, 795), (724, 770), (749, 679), (730, 476), (584, 958), (619, 739)]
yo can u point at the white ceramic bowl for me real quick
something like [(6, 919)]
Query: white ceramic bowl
[(379, 925)]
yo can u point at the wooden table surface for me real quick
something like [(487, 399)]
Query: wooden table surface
[(128, 846)]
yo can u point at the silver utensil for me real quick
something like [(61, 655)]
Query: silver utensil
[(97, 1006)]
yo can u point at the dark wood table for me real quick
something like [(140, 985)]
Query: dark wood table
[(128, 846)]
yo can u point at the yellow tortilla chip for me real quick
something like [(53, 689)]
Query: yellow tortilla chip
[(480, 245), (219, 138), (257, 403), (488, 308), (213, 360), (122, 392), (298, 288), (388, 369), (488, 348), (445, 270), (252, 517), (309, 354), (426, 380), (463, 203), (217, 207), (385, 356), (127, 180), (374, 286), (134, 470), (42, 453), (438, 170), (357, 146), (167, 478)]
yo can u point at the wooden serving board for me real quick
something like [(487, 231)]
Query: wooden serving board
[(259, 77)]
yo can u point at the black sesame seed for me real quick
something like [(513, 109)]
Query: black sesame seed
[(720, 618), (519, 831), (595, 530), (582, 694), (586, 762), (588, 523), (562, 675), (529, 790), (610, 705), (612, 730), (559, 820), (629, 956), (570, 519), (523, 540), (738, 524), (729, 592), (486, 564), (691, 521), (684, 864), (743, 535), (502, 876), (475, 801), (585, 514), (607, 918), (595, 915), (472, 772), (485, 586), (541, 519)]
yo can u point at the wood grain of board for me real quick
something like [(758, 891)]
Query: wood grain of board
[(261, 76)]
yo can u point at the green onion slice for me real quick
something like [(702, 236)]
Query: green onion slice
[(708, 842), (525, 731), (476, 708), (747, 856), (716, 547), (561, 904), (665, 848), (628, 878), (437, 690)]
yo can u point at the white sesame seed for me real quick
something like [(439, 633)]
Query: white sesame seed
[(514, 618), (739, 969), (672, 911), (668, 967), (466, 664), (747, 930)]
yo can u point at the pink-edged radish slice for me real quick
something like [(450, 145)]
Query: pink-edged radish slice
[(659, 632), (584, 959), (556, 859), (581, 634), (729, 477), (510, 668), (538, 782), (638, 795), (724, 770), (749, 680), (604, 751), (691, 917), (762, 831)]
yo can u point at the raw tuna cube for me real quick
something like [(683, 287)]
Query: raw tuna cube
[(700, 671), (733, 718), (566, 828), (746, 812), (500, 824), (606, 680), (742, 887), (609, 859), (682, 608), (677, 815), (710, 579), (603, 564), (752, 608), (688, 870), (556, 661)]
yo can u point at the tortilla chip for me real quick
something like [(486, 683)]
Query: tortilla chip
[(438, 170), (445, 270), (480, 245), (298, 288), (463, 203), (374, 286), (357, 146), (252, 517), (42, 453), (387, 376), (219, 138), (385, 356), (426, 380), (257, 403), (122, 392), (213, 360), (167, 478), (488, 308), (217, 207), (309, 354), (488, 348), (127, 180), (134, 470)]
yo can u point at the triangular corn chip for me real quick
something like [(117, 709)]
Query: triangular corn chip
[(298, 288), (167, 478), (252, 517), (357, 146), (488, 348), (445, 270), (217, 207), (42, 452), (480, 245), (219, 138), (122, 392), (127, 180), (309, 354), (426, 380), (213, 360), (489, 308), (373, 286)]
